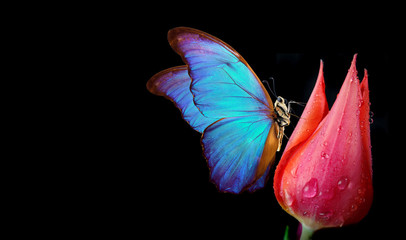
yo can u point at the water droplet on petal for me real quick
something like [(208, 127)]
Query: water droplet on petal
[(293, 171), (349, 137), (342, 183), (371, 117), (324, 155), (288, 198), (311, 188), (361, 191), (326, 215), (343, 159), (339, 221)]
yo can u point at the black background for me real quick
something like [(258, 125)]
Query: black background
[(151, 177)]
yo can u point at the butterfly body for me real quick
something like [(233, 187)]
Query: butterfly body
[(283, 118), (221, 97)]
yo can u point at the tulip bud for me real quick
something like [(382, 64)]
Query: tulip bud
[(324, 178)]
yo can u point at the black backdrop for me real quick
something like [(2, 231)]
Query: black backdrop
[(153, 176)]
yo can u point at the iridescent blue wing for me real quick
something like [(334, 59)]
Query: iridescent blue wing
[(235, 149), (242, 144), (223, 84), (174, 84)]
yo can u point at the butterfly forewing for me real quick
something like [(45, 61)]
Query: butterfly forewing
[(219, 72)]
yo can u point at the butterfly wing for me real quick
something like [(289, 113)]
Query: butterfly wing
[(241, 145), (235, 147), (223, 85), (174, 84)]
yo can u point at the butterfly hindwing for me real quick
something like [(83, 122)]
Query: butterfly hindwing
[(174, 84), (234, 148)]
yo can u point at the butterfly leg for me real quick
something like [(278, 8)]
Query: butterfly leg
[(281, 131)]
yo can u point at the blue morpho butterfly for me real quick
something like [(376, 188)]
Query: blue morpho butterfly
[(220, 96)]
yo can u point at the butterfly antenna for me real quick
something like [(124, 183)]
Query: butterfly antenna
[(296, 116), (274, 88), (298, 103), (269, 87), (294, 102)]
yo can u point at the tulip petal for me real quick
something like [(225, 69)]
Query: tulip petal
[(316, 109), (343, 138), (364, 118)]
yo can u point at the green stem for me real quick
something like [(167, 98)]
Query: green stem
[(307, 233), (286, 237)]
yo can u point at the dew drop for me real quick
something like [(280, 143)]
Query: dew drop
[(361, 191), (288, 199), (311, 188), (349, 137), (293, 171), (339, 221), (371, 117), (324, 155), (342, 183), (360, 103), (281, 193), (343, 159), (326, 215)]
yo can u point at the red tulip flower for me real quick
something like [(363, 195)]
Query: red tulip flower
[(324, 178)]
